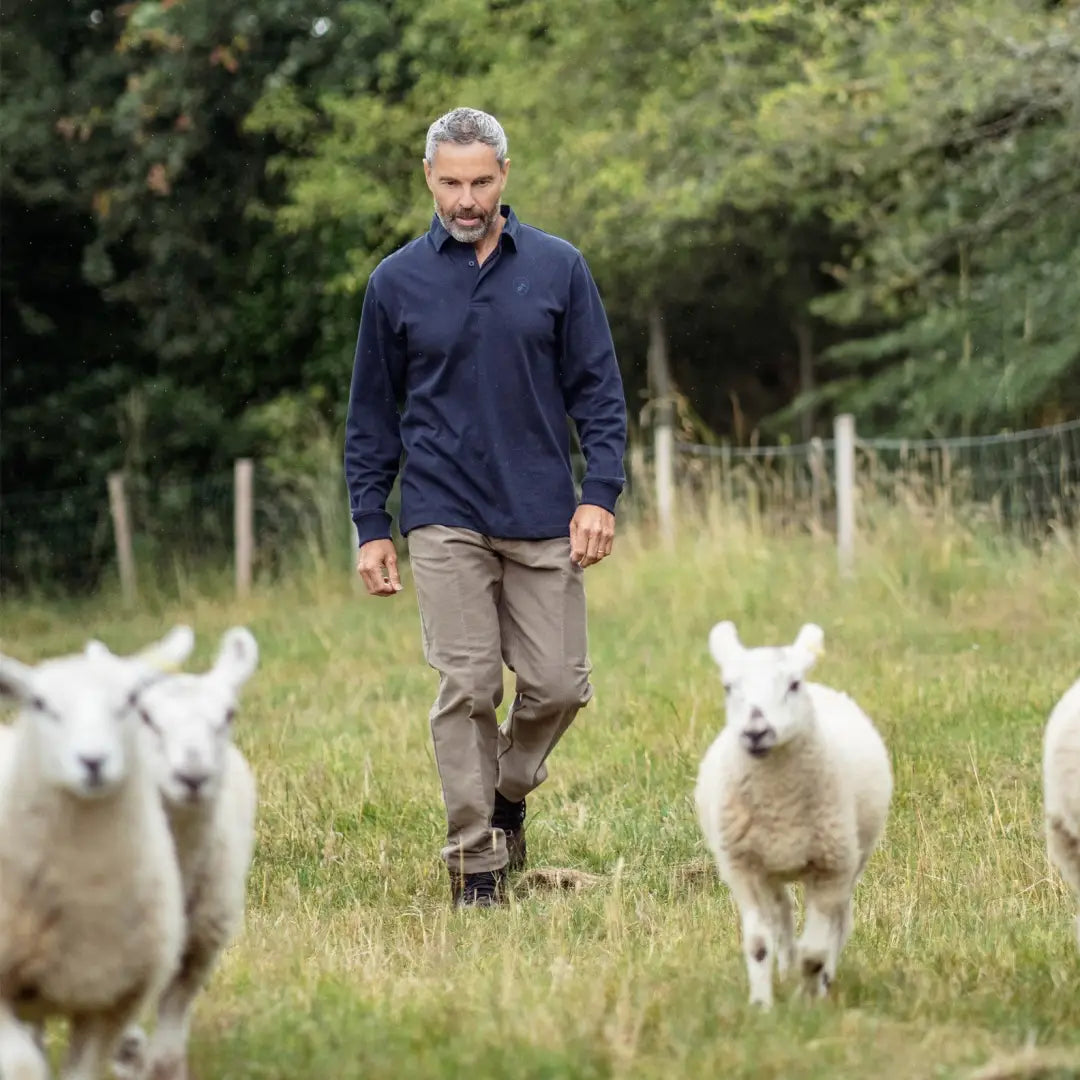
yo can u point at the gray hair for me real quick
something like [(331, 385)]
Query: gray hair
[(466, 126)]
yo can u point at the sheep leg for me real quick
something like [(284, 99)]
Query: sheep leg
[(92, 1042), (785, 930), (828, 924), (757, 904), (1064, 851), (130, 1059), (20, 1056), (168, 1047), (848, 921)]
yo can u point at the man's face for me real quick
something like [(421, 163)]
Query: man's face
[(467, 183)]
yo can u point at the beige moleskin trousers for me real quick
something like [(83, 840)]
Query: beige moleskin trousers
[(483, 602)]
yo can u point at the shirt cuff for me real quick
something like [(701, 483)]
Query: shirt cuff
[(373, 525), (600, 493)]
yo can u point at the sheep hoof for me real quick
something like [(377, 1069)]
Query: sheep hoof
[(171, 1067), (815, 977), (129, 1060)]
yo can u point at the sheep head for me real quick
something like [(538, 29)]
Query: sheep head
[(191, 716), (766, 701), (79, 716)]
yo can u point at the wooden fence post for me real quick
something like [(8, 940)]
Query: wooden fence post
[(122, 531), (243, 524), (817, 482), (663, 426), (844, 430), (664, 454)]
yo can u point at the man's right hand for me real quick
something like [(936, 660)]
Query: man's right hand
[(376, 563)]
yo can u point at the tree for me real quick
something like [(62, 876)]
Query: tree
[(948, 154)]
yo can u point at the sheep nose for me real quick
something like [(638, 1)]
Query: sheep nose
[(192, 781), (93, 767), (758, 741)]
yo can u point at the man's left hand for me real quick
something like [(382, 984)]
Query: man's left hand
[(592, 532)]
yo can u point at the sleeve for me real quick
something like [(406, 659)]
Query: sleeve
[(373, 424), (592, 389)]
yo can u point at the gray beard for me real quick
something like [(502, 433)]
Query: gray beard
[(472, 234)]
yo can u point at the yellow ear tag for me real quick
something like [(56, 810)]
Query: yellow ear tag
[(167, 667)]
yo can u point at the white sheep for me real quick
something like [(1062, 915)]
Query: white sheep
[(795, 788), (1061, 789), (91, 915), (210, 798), (7, 741)]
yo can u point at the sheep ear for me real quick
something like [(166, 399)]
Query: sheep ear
[(96, 650), (171, 651), (810, 644), (724, 644), (15, 680), (238, 656)]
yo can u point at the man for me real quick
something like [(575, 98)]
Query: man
[(476, 341)]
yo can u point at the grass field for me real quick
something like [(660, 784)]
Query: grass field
[(352, 964)]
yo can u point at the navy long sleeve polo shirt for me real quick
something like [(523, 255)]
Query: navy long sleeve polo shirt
[(472, 371)]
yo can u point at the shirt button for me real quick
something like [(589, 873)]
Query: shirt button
[(471, 262)]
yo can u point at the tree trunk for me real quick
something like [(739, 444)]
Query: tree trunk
[(804, 336)]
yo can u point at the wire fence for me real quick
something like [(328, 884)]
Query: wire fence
[(67, 539), (1024, 482)]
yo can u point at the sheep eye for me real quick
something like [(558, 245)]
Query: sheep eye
[(727, 687), (230, 715), (147, 719), (38, 705), (793, 686)]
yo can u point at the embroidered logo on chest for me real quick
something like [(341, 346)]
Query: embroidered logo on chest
[(521, 285)]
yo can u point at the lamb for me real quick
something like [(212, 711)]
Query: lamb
[(91, 913), (1061, 790), (795, 788), (210, 798), (7, 741)]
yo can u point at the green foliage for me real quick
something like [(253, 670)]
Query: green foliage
[(196, 193), (946, 151)]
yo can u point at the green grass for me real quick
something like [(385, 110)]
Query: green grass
[(352, 964)]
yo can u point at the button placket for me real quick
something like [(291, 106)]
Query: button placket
[(489, 262)]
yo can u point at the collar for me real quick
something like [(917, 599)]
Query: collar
[(511, 228)]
